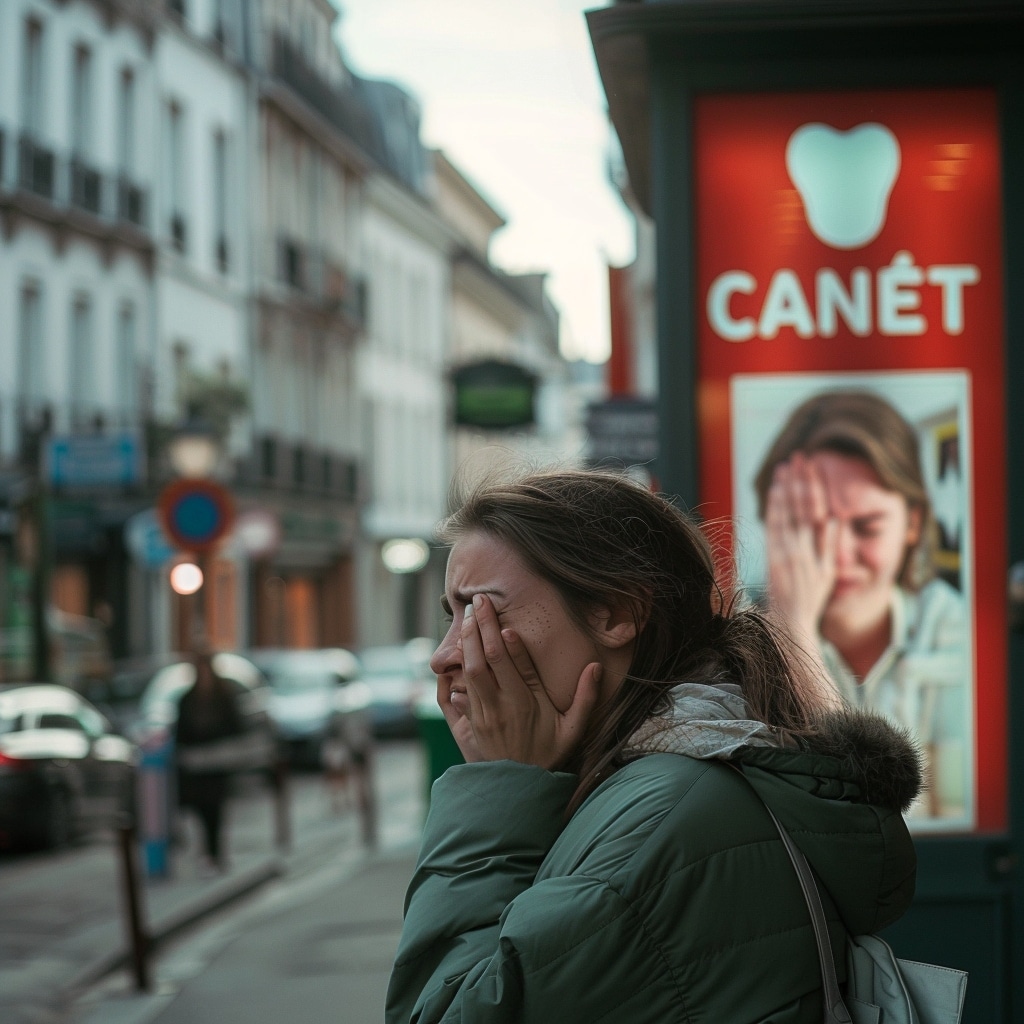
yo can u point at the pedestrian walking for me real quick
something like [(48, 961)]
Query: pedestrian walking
[(605, 852), (208, 730)]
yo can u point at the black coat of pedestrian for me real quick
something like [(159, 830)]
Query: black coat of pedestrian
[(209, 714)]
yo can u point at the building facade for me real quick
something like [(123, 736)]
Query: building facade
[(77, 269), (304, 467), (403, 403), (205, 214), (504, 319)]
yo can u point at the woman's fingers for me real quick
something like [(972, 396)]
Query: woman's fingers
[(520, 658), (474, 657), (588, 692), (511, 713)]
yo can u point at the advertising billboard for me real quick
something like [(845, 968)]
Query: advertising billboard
[(850, 403)]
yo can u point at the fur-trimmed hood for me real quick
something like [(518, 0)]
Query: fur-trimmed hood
[(883, 757), (710, 721)]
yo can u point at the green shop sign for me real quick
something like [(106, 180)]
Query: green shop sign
[(492, 395)]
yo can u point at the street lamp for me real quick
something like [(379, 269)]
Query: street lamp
[(194, 450), (405, 557)]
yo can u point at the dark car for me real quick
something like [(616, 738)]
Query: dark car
[(316, 694), (158, 706), (62, 767)]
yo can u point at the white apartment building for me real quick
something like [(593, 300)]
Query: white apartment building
[(402, 382), (309, 298), (203, 272), (507, 319), (77, 172)]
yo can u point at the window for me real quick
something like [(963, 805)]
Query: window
[(220, 200), (85, 181), (81, 102), (222, 27), (80, 366), (127, 384), (30, 346), (35, 163), (182, 372), (32, 79), (175, 176), (126, 123), (129, 195)]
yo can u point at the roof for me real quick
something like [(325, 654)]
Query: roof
[(705, 31)]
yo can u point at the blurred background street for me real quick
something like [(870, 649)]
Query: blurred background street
[(63, 937)]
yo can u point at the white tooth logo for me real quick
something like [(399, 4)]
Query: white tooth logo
[(844, 179)]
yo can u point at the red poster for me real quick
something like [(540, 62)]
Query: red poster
[(850, 347)]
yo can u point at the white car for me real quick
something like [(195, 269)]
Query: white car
[(399, 678)]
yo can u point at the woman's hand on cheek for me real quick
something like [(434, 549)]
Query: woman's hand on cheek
[(511, 714), (801, 546)]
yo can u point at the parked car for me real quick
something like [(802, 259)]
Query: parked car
[(316, 694), (119, 693), (158, 706), (398, 676), (62, 767)]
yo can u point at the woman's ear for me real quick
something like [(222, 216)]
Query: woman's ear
[(615, 627)]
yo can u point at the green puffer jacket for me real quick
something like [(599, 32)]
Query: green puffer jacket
[(668, 896)]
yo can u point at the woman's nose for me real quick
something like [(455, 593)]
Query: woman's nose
[(446, 654), (846, 546)]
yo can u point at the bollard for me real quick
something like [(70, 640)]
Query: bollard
[(138, 940), (155, 791), (282, 815), (364, 771)]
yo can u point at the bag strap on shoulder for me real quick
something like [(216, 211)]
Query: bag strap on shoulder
[(835, 1009)]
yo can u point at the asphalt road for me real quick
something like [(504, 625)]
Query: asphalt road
[(57, 910)]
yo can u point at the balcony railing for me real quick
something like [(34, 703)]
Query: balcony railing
[(304, 468), (86, 186), (36, 167), (131, 202), (71, 183), (179, 231), (313, 273)]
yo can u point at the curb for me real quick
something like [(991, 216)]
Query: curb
[(221, 894)]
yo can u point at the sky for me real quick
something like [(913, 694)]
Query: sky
[(510, 92)]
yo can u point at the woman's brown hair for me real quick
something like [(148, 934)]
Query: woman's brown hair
[(602, 540), (865, 426)]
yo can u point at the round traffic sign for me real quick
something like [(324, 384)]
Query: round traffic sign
[(195, 514)]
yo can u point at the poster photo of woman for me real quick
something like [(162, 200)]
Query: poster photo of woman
[(851, 496)]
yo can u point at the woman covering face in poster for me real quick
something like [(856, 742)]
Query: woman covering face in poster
[(848, 528)]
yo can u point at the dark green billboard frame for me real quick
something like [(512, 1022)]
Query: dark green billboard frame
[(655, 58)]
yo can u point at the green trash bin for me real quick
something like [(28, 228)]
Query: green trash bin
[(439, 747)]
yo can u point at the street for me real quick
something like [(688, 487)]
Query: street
[(61, 913)]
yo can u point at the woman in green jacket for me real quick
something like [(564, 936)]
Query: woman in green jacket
[(599, 858)]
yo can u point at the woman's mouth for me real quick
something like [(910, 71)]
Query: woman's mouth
[(843, 587)]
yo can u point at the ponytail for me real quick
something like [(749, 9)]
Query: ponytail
[(741, 647)]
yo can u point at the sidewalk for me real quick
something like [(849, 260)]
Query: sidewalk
[(64, 919), (322, 951), (63, 935)]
